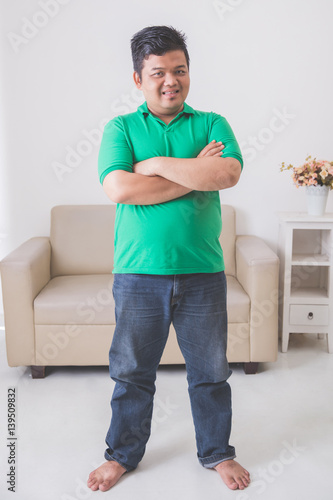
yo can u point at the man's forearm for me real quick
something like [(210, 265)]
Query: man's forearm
[(136, 189), (201, 174)]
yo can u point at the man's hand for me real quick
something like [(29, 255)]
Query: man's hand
[(146, 167), (133, 189), (212, 149), (151, 165)]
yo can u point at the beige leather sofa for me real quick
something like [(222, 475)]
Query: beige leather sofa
[(58, 304)]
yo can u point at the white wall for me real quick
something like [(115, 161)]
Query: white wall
[(66, 70)]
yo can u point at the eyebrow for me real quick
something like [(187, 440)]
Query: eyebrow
[(180, 66)]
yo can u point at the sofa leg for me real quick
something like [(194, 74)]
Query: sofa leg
[(250, 368), (38, 371)]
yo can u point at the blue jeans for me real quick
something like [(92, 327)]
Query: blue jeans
[(145, 306)]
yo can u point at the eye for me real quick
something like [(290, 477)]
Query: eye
[(181, 71), (158, 73)]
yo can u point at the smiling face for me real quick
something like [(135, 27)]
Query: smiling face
[(165, 83)]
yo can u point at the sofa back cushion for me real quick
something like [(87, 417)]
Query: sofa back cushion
[(228, 238), (82, 239)]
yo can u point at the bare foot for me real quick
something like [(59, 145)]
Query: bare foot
[(105, 476), (233, 474)]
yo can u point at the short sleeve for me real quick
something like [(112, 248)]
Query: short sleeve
[(114, 152), (221, 131)]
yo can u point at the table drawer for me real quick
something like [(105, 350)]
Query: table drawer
[(312, 315)]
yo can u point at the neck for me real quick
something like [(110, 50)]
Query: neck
[(167, 118)]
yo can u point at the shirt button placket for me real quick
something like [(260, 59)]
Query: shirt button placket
[(167, 142)]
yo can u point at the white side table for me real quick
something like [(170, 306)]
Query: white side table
[(306, 279)]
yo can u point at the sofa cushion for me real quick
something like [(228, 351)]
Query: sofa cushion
[(82, 239), (88, 300), (76, 300)]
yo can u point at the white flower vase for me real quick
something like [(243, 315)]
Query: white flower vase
[(316, 199)]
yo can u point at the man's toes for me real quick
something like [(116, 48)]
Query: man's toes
[(246, 478), (94, 486), (91, 480), (232, 484), (237, 482), (92, 483), (105, 485), (242, 482)]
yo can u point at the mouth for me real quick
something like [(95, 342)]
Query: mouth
[(170, 93)]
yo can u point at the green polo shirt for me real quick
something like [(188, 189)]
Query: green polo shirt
[(180, 236)]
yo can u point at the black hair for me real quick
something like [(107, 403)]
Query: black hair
[(156, 40)]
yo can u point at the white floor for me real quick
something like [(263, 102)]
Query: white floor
[(282, 431)]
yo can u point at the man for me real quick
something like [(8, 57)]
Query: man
[(163, 166)]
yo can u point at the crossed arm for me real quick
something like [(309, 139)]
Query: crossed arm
[(162, 179)]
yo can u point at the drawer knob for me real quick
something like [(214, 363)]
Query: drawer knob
[(310, 315)]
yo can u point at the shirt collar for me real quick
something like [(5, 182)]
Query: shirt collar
[(186, 111)]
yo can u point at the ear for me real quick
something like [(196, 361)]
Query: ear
[(137, 80)]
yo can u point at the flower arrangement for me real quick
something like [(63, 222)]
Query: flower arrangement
[(312, 173)]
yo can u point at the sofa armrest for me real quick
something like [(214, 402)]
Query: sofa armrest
[(257, 270), (24, 272)]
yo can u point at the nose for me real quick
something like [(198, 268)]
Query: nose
[(170, 79)]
